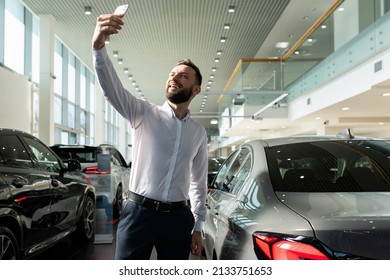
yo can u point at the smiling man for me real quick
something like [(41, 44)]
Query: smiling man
[(168, 184)]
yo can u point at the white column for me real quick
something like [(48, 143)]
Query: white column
[(99, 115), (46, 82)]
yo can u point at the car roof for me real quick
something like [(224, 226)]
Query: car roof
[(343, 135), (13, 131), (75, 146)]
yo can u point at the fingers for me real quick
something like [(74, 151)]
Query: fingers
[(196, 250), (196, 244), (110, 24), (105, 26)]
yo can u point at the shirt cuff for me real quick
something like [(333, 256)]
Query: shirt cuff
[(100, 55), (198, 225)]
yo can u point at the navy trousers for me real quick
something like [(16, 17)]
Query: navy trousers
[(140, 229)]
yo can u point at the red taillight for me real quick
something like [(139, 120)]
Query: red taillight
[(94, 170), (275, 248)]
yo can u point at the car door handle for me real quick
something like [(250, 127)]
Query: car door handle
[(54, 183)]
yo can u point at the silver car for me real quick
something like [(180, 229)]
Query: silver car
[(301, 198), (105, 166)]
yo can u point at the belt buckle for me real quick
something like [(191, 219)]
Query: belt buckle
[(156, 205), (159, 206)]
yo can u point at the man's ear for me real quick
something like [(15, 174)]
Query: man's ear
[(197, 89)]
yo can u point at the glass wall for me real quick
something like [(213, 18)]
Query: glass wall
[(74, 83)]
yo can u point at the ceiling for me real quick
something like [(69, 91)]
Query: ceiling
[(158, 33)]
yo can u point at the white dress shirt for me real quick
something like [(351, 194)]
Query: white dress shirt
[(169, 155)]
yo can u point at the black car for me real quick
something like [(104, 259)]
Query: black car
[(41, 200), (308, 197)]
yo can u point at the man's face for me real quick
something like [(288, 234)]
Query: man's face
[(180, 84)]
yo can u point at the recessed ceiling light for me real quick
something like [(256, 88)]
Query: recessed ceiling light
[(216, 59), (345, 108), (88, 10), (231, 9), (214, 69), (226, 26), (223, 39), (120, 60), (282, 45), (219, 52), (126, 70), (130, 77), (386, 94), (115, 53)]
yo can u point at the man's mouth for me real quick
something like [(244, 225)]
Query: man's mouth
[(174, 86)]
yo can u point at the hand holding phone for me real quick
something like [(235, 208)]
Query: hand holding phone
[(121, 10)]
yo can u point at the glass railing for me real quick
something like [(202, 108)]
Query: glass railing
[(351, 33)]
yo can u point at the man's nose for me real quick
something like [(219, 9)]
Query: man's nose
[(174, 77)]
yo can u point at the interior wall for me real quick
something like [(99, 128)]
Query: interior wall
[(15, 101)]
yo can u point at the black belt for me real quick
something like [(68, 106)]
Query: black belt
[(156, 204)]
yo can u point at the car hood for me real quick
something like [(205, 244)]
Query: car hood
[(352, 223)]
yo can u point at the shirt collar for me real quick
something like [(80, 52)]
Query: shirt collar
[(170, 111)]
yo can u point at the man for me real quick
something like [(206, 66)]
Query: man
[(169, 166)]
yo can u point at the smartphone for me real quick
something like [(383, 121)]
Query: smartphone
[(121, 10)]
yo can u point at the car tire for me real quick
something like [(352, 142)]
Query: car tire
[(9, 249), (85, 231)]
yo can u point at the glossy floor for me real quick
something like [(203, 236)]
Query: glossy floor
[(102, 249)]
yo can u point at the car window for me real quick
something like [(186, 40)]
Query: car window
[(117, 158), (219, 179), (13, 153), (82, 154), (45, 157), (228, 174), (241, 175), (330, 166)]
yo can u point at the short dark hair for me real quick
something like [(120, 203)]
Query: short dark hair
[(189, 63)]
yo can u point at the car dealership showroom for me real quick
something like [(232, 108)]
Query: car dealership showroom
[(294, 104)]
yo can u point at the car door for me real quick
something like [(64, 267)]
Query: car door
[(222, 203), (30, 190), (123, 168), (67, 192)]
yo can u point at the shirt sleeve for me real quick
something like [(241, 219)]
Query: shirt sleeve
[(198, 187), (130, 107)]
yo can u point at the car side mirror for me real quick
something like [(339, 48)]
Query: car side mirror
[(74, 165)]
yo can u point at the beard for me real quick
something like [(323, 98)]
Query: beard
[(179, 96)]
